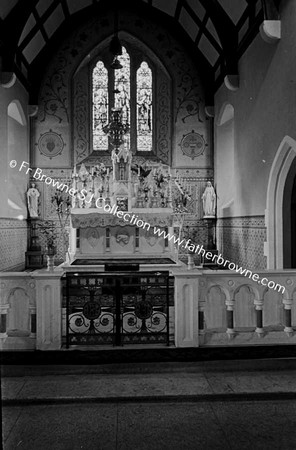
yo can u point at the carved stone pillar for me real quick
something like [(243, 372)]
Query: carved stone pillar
[(48, 310), (186, 309)]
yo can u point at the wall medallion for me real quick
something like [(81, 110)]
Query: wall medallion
[(193, 144), (50, 144)]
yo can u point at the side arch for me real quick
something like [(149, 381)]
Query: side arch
[(274, 202)]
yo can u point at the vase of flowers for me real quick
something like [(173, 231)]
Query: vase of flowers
[(192, 234), (48, 229)]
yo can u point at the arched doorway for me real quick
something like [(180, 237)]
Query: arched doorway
[(289, 219), (278, 215)]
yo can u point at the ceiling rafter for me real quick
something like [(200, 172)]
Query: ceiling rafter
[(39, 24), (202, 25), (253, 29), (11, 31), (66, 8), (178, 9), (227, 45), (227, 34), (201, 28)]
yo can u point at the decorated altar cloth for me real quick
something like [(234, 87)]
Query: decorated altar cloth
[(92, 218), (123, 262)]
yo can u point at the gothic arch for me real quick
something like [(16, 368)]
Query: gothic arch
[(281, 165)]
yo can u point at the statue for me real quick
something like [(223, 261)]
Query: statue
[(32, 200), (209, 201)]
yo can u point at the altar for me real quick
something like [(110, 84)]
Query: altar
[(121, 210), (121, 234)]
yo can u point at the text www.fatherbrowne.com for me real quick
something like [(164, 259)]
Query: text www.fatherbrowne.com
[(218, 259), (134, 220)]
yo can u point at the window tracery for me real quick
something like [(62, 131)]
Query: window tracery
[(137, 108)]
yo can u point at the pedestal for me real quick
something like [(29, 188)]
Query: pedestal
[(186, 309), (211, 240), (48, 310)]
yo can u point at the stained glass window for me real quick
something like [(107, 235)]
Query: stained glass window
[(100, 106), (144, 108), (122, 86), (125, 81)]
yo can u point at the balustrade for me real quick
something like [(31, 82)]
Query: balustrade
[(212, 308)]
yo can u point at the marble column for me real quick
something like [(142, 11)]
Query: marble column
[(229, 317), (259, 317), (288, 316)]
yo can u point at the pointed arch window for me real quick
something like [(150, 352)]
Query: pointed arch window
[(122, 86), (144, 108), (129, 88), (100, 106)]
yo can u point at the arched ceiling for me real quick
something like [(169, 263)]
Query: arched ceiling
[(220, 30)]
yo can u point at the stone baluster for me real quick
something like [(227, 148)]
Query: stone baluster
[(33, 323), (288, 316), (3, 311), (229, 318), (3, 320), (259, 317)]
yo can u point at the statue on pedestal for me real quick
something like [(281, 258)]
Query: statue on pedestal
[(32, 200), (209, 201)]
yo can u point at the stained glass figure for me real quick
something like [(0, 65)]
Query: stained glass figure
[(100, 106), (144, 108), (122, 86)]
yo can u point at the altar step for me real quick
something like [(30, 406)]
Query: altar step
[(163, 382), (139, 355)]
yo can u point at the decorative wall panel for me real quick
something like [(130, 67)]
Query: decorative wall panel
[(81, 115), (13, 244), (179, 93), (241, 240)]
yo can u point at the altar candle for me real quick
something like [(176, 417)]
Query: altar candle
[(138, 171), (169, 171), (107, 171), (92, 171)]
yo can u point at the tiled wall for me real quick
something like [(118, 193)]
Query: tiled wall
[(241, 240), (13, 244)]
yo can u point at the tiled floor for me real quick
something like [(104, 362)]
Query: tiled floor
[(152, 426), (217, 405), (147, 385)]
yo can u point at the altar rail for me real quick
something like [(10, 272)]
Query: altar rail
[(212, 308), (222, 308), (18, 311), (30, 310)]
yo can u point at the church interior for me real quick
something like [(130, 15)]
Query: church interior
[(147, 177)]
